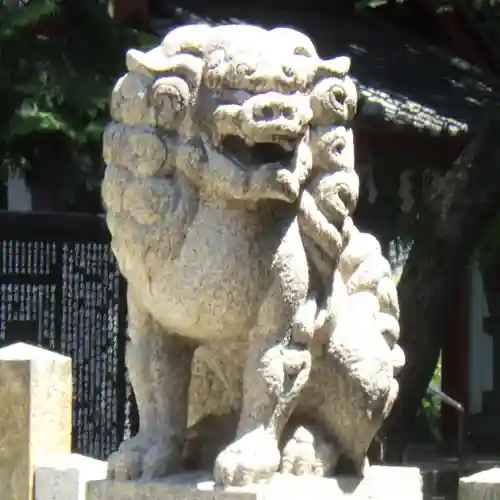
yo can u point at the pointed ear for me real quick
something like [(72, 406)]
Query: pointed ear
[(339, 67), (147, 63), (155, 63)]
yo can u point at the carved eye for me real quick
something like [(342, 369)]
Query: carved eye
[(337, 96), (288, 71), (245, 69), (338, 146)]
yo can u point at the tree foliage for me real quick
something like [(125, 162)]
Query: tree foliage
[(58, 63)]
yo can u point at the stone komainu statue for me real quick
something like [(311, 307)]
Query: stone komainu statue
[(252, 296)]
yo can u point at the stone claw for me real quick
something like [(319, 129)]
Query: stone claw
[(308, 453), (254, 458), (143, 457)]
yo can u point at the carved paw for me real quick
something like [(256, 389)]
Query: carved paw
[(288, 183), (308, 453), (274, 181), (143, 457), (253, 458)]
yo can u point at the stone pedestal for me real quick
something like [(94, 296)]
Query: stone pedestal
[(382, 483), (35, 414), (484, 485), (66, 477)]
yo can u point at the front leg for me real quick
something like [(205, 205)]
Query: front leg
[(159, 366), (276, 371), (273, 380)]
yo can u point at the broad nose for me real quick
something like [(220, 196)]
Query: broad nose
[(272, 111), (276, 113)]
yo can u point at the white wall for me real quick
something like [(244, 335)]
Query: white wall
[(18, 194), (480, 344)]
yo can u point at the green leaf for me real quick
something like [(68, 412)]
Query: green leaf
[(29, 118), (12, 19), (56, 82)]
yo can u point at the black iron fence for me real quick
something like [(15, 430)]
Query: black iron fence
[(60, 288)]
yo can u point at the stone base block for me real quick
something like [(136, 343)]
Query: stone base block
[(484, 485), (66, 477), (382, 483), (35, 414)]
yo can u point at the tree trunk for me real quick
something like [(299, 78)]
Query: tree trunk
[(458, 208)]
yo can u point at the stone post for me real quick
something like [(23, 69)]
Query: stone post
[(484, 485), (66, 477), (35, 414)]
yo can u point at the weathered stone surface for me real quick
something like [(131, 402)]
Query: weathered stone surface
[(484, 485), (66, 477), (381, 483), (229, 189), (35, 414)]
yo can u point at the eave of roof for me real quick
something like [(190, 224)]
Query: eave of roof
[(395, 112), (405, 84)]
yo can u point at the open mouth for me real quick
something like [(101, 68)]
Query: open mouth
[(248, 157)]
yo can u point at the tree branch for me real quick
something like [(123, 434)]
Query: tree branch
[(470, 17), (462, 205)]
